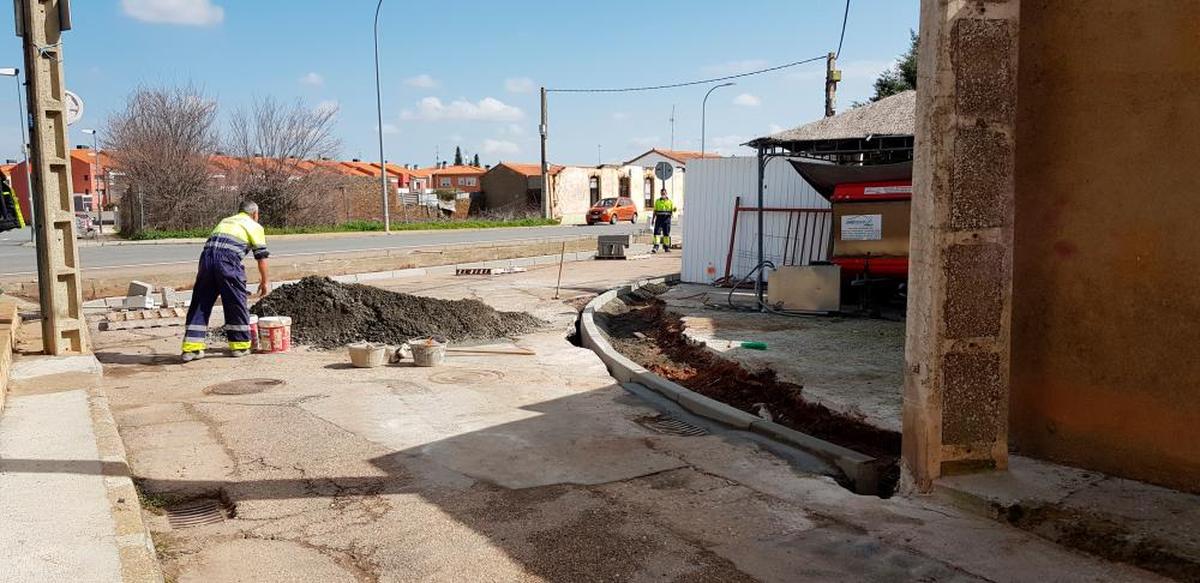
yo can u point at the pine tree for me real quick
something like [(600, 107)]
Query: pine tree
[(458, 159), (475, 162), (901, 77)]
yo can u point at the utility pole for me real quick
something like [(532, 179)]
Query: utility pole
[(832, 77), (40, 23), (544, 130), (672, 127)]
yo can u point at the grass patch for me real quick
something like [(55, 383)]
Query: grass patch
[(353, 227)]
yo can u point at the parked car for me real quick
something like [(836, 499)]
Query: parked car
[(612, 211)]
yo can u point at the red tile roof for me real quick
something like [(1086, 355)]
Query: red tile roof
[(529, 169)]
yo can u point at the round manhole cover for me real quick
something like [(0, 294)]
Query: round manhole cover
[(465, 377), (243, 387)]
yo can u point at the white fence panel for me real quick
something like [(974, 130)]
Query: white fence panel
[(789, 238)]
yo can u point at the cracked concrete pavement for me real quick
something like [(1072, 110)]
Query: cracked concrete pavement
[(508, 468)]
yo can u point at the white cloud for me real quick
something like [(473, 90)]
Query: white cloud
[(500, 148), (486, 109), (422, 81), (313, 79), (515, 130), (329, 105), (747, 100), (728, 145), (620, 116), (186, 12), (519, 85), (736, 67), (646, 141)]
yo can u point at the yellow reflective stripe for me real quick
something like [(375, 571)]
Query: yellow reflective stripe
[(193, 346), (240, 345)]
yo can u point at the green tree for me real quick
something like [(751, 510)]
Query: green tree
[(900, 77), (475, 162), (458, 159)]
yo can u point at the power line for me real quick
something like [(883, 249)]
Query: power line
[(845, 19), (689, 83)]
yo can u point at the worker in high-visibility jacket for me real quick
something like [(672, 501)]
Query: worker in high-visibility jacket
[(664, 210), (222, 273)]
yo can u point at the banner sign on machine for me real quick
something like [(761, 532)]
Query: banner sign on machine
[(862, 228)]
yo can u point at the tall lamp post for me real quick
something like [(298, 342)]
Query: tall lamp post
[(15, 74), (704, 114), (383, 180), (94, 167)]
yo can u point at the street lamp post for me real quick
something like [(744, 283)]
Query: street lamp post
[(383, 180), (704, 114), (99, 199), (15, 74)]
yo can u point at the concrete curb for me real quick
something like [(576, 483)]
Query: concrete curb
[(139, 560), (862, 471), (10, 323)]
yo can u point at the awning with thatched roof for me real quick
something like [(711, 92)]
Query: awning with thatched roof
[(882, 130)]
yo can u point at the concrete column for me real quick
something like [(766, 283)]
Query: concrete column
[(960, 296)]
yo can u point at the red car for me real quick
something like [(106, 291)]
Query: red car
[(612, 211)]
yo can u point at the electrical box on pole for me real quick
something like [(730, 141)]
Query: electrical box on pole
[(832, 77), (40, 24)]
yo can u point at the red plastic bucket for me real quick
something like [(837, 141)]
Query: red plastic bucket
[(274, 334)]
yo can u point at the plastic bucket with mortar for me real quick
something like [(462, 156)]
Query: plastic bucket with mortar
[(367, 354), (254, 333), (274, 334), (427, 351)]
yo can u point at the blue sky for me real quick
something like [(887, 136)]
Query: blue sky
[(467, 75)]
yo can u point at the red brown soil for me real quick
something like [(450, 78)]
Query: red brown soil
[(653, 337)]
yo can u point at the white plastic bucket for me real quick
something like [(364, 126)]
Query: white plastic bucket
[(427, 351), (274, 334)]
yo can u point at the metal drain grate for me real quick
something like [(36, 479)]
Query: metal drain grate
[(197, 513), (672, 426)]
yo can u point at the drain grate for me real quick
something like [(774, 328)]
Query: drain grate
[(197, 513), (242, 387), (672, 426)]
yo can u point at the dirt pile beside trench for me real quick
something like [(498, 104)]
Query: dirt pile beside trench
[(327, 314)]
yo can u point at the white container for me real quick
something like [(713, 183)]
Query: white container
[(427, 351), (367, 354)]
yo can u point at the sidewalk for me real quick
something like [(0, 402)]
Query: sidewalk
[(68, 508)]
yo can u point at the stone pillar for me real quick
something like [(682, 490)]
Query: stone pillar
[(960, 288)]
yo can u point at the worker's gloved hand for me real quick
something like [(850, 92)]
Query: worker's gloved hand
[(263, 289)]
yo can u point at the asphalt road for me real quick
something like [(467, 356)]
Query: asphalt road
[(18, 259)]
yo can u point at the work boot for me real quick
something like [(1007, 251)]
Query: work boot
[(239, 353), (666, 249), (654, 249), (190, 356)]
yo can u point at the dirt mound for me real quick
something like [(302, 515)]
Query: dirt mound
[(327, 314)]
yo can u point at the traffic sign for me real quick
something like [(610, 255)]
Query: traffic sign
[(664, 171), (74, 108)]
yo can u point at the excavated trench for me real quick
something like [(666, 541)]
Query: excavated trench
[(653, 337)]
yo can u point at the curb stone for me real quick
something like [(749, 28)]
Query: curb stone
[(862, 471)]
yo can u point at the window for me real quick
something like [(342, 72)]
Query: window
[(445, 182), (624, 187), (594, 187), (467, 181), (648, 193)]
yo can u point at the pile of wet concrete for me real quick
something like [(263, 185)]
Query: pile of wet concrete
[(328, 314)]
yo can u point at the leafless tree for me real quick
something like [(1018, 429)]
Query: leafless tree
[(278, 143), (162, 142)]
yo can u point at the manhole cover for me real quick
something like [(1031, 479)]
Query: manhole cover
[(672, 426), (197, 513), (465, 377), (242, 387)]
